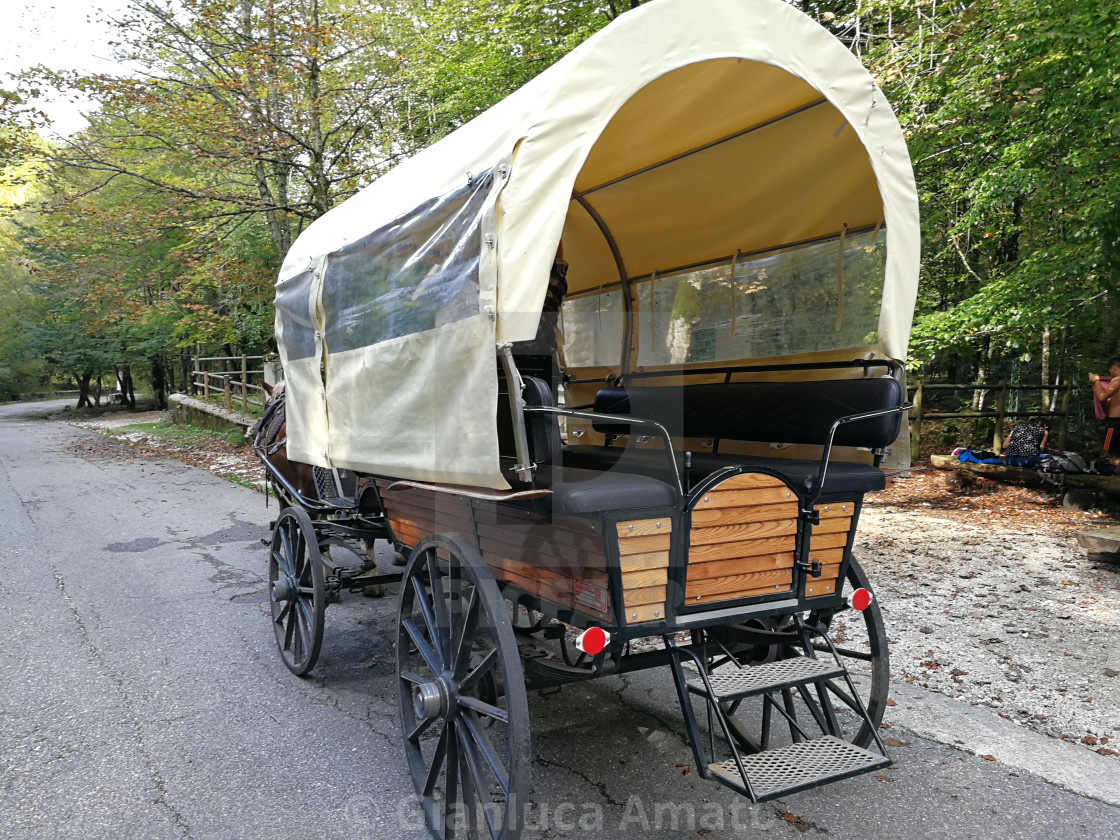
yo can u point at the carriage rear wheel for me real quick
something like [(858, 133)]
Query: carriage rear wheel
[(464, 713), (296, 590), (861, 642)]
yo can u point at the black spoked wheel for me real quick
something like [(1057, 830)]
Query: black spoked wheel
[(464, 713), (296, 590), (860, 639)]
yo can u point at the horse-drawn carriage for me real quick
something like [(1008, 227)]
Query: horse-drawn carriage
[(651, 452)]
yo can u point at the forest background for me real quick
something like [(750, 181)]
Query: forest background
[(229, 126)]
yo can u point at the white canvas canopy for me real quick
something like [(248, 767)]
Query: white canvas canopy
[(685, 133)]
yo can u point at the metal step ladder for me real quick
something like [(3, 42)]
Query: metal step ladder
[(753, 768)]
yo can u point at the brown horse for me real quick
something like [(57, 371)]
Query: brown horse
[(270, 436)]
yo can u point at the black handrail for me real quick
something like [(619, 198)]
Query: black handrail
[(851, 418), (621, 419)]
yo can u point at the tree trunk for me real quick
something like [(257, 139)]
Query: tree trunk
[(982, 369), (1047, 397), (159, 381), (127, 390)]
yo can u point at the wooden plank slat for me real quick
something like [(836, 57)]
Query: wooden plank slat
[(635, 562), (834, 509), (548, 593), (833, 526), (740, 516), (825, 584), (568, 529), (738, 582), (719, 551), (746, 481), (441, 524), (644, 528), (756, 513), (754, 548), (646, 612), (428, 499), (742, 593), (643, 578), (547, 572), (721, 568), (588, 549), (735, 533), (644, 545), (827, 557), (648, 595), (828, 541), (748, 498)]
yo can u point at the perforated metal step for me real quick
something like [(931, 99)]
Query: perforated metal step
[(799, 766), (733, 683)]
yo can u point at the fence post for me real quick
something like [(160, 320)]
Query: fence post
[(1063, 429), (916, 423), (194, 375), (1001, 411), (244, 386), (226, 394), (206, 385)]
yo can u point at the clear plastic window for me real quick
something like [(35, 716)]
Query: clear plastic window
[(795, 301), (297, 328), (414, 274), (592, 327)]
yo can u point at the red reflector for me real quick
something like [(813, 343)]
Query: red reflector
[(859, 600), (593, 640)]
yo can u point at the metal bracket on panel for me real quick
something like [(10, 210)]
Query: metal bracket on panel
[(516, 385)]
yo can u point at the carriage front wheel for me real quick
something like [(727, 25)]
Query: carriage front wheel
[(296, 590), (463, 710)]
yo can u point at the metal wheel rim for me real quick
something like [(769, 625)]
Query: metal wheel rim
[(296, 590), (463, 710), (873, 664)]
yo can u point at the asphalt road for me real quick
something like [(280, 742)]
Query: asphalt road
[(141, 696)]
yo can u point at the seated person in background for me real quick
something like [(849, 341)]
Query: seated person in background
[(1026, 442)]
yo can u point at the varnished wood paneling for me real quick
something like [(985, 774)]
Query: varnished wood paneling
[(635, 562), (737, 582), (719, 568), (742, 540)]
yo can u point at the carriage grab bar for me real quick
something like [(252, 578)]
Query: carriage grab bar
[(623, 419), (826, 454)]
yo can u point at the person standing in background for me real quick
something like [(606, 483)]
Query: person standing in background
[(1104, 394)]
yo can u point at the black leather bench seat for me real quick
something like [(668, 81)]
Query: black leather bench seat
[(582, 491), (842, 477)]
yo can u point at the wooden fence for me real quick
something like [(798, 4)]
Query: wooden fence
[(1000, 413), (238, 384)]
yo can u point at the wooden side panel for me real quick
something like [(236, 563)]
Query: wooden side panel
[(743, 539), (562, 560), (415, 513), (643, 547), (826, 546)]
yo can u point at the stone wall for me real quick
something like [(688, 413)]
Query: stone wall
[(192, 412)]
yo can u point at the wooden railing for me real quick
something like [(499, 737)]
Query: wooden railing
[(1000, 414), (237, 383)]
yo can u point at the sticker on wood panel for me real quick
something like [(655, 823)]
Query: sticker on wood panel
[(590, 595)]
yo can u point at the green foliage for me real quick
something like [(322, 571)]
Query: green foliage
[(1012, 117), (232, 126)]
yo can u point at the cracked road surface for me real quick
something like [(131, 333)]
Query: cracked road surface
[(141, 696)]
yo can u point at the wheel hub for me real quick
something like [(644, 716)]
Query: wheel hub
[(284, 589), (431, 699)]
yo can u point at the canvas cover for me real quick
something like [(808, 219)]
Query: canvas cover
[(684, 134)]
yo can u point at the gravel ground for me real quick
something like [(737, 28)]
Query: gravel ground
[(986, 595)]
